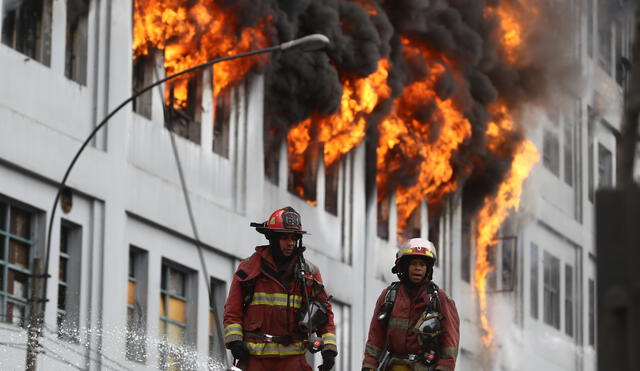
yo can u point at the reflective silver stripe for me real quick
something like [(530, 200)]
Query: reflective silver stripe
[(449, 352), (373, 351), (262, 349), (262, 298), (399, 323), (329, 338), (233, 329)]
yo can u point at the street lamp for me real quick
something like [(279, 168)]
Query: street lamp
[(306, 44)]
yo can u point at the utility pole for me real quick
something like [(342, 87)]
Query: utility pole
[(34, 328)]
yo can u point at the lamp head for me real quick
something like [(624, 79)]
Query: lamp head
[(307, 43)]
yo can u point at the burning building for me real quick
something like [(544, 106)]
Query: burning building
[(422, 118)]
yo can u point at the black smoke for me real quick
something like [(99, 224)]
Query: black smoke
[(300, 85)]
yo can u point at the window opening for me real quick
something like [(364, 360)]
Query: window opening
[(76, 50), (551, 266), (137, 305), (16, 245), (69, 279), (26, 27)]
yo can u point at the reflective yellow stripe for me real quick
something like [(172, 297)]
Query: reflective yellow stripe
[(275, 349), (329, 338), (449, 352), (373, 351), (262, 298), (233, 329), (399, 323)]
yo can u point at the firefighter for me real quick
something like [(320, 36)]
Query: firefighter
[(415, 325), (266, 316)]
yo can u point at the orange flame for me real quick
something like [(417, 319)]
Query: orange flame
[(496, 208), (191, 35), (404, 138), (341, 132), (514, 20)]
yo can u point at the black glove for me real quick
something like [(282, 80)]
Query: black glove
[(239, 350), (328, 361)]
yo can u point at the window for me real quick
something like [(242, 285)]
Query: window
[(568, 300), (551, 266), (142, 77), (69, 279), (16, 245), (75, 66), (26, 27), (331, 182), (551, 152), (605, 167), (137, 305), (568, 151), (271, 143), (383, 218), (534, 280), (413, 227), (183, 108), (623, 64), (590, 26), (221, 121), (592, 312), (590, 137), (174, 308), (342, 320), (216, 345), (466, 240), (604, 39), (508, 274)]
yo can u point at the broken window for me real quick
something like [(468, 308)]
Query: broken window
[(434, 235), (551, 266), (591, 140), (568, 300), (75, 66), (466, 240), (304, 183), (183, 115), (533, 280), (551, 152), (605, 167), (413, 227), (26, 27), (568, 151), (142, 77), (332, 177), (69, 282), (137, 305), (383, 218), (218, 294), (221, 121)]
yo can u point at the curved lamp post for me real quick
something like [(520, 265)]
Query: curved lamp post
[(307, 43)]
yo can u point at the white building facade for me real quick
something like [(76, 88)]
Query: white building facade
[(124, 265)]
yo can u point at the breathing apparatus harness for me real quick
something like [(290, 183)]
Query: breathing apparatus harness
[(428, 327), (311, 319)]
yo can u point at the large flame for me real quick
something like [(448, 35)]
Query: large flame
[(193, 34), (341, 132), (497, 207)]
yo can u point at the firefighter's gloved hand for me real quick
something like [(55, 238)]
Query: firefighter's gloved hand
[(239, 350), (328, 360)]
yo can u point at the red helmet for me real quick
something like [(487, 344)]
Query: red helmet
[(285, 220), (415, 247)]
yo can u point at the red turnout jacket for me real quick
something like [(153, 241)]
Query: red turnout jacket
[(396, 328), (272, 310)]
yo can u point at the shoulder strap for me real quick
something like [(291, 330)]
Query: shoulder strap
[(432, 294), (389, 300)]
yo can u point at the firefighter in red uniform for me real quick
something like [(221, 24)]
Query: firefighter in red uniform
[(268, 318), (415, 325)]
